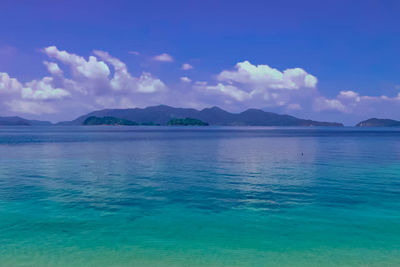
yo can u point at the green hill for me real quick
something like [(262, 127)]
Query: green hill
[(186, 122), (107, 121)]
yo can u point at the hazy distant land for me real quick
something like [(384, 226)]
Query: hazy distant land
[(163, 115), (374, 122)]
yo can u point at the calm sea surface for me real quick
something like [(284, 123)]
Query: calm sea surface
[(158, 196)]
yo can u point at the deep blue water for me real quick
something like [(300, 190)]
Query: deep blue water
[(206, 196)]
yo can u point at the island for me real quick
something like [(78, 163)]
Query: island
[(374, 122), (186, 122), (107, 121), (163, 115), (18, 121), (215, 116)]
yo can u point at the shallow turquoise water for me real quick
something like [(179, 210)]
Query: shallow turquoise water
[(158, 196)]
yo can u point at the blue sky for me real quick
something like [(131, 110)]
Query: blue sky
[(351, 48)]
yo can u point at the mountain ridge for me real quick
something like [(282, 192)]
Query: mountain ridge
[(18, 121), (161, 114), (375, 122)]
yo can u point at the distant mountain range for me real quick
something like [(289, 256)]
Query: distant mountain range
[(166, 115), (186, 122), (93, 120), (161, 115), (12, 121), (374, 122)]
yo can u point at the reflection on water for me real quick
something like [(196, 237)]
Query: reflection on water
[(119, 196)]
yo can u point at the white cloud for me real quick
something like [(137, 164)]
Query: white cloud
[(201, 83), (91, 68), (294, 106), (187, 66), (53, 68), (228, 90), (43, 90), (262, 86), (185, 79), (147, 84), (136, 53), (29, 107), (115, 62), (164, 58), (292, 90), (349, 95), (103, 81), (9, 85), (322, 103), (123, 80), (351, 102), (34, 90), (98, 82), (264, 77)]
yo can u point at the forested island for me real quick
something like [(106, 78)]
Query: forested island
[(93, 120), (374, 122), (170, 116), (187, 122), (214, 116)]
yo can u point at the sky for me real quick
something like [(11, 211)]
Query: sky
[(324, 60)]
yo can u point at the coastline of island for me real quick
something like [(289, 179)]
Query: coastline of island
[(163, 115)]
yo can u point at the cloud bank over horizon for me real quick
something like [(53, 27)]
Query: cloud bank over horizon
[(76, 84)]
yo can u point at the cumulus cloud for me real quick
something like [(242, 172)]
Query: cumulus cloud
[(349, 95), (36, 90), (9, 85), (185, 79), (29, 107), (351, 103), (229, 90), (187, 66), (261, 86), (91, 68), (265, 77), (32, 97), (322, 103), (292, 90), (78, 83), (53, 68), (164, 57), (201, 83), (99, 81), (294, 106), (123, 80), (43, 90), (147, 84)]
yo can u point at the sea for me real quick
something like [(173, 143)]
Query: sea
[(199, 196)]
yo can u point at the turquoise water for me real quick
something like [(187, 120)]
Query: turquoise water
[(158, 196)]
